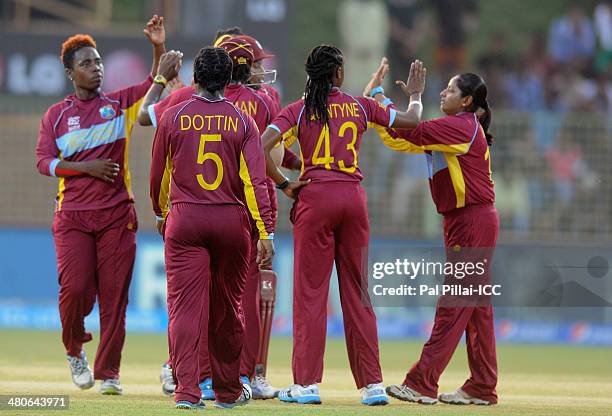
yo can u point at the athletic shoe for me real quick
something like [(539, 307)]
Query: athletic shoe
[(461, 397), (207, 390), (300, 394), (166, 380), (262, 390), (82, 376), (405, 393), (111, 387), (187, 405), (242, 400), (374, 395)]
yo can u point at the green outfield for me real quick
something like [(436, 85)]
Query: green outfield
[(534, 380)]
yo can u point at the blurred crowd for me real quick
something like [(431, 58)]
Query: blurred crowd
[(552, 149)]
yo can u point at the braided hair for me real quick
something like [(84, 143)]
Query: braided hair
[(212, 69), (321, 66), (472, 84)]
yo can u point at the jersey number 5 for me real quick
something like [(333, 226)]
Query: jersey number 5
[(204, 156)]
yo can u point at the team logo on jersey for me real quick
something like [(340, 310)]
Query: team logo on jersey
[(74, 123), (107, 112)]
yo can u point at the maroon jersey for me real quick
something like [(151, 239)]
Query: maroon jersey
[(458, 159), (209, 152), (330, 152), (269, 91), (100, 128), (258, 106)]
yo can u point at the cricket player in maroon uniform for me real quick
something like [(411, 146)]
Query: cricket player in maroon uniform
[(459, 162), (84, 141), (261, 108), (330, 221), (207, 160)]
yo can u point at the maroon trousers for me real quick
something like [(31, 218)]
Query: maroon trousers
[(95, 258), (250, 306), (475, 227), (206, 245), (331, 224)]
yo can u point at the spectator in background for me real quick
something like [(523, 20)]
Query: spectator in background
[(494, 63), (455, 19), (524, 87), (602, 17), (362, 47), (408, 27), (572, 39)]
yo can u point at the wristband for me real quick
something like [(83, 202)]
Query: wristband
[(160, 79), (387, 102), (283, 185), (377, 90), (270, 237)]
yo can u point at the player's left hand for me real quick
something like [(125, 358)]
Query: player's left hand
[(377, 77), (265, 253), (155, 31), (160, 227)]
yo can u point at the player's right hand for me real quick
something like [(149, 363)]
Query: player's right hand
[(294, 187), (265, 253), (416, 79), (377, 77), (104, 169), (170, 64)]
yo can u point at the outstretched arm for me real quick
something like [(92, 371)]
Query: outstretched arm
[(169, 65), (412, 88), (156, 33), (270, 138)]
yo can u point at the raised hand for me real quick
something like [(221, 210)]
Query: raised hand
[(174, 84), (377, 77), (104, 169), (170, 64), (155, 31), (416, 79)]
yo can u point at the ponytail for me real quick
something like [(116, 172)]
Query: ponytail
[(485, 121), (472, 84), (321, 65)]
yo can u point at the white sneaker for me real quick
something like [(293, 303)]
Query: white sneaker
[(242, 400), (374, 395), (300, 394), (405, 393), (262, 390), (166, 380), (461, 397), (82, 376), (111, 387)]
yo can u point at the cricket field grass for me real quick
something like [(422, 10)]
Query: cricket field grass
[(534, 379)]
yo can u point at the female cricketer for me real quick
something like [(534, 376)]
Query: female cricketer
[(261, 108), (84, 141), (208, 159), (331, 220), (459, 161)]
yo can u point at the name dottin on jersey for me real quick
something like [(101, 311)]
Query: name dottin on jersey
[(199, 122)]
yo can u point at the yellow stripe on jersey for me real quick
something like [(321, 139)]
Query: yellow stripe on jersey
[(398, 144), (456, 175), (131, 115), (60, 193), (457, 149), (164, 188), (249, 193)]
